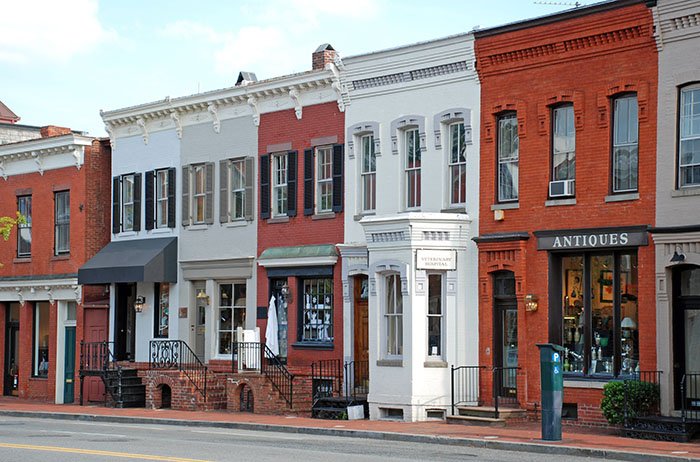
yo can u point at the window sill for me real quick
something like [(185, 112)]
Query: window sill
[(455, 209), (313, 345), (197, 227), (237, 223), (560, 202), (22, 260), (36, 377), (581, 382), (622, 197), (390, 363), (435, 363), (506, 206), (161, 231), (683, 192), (127, 233), (283, 219), (360, 216), (61, 257), (323, 216)]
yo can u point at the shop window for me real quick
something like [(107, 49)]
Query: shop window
[(41, 340), (317, 310), (508, 158), (412, 168), (435, 315), (24, 230), (625, 144), (457, 164), (61, 223), (368, 173), (600, 332), (232, 307), (162, 311), (393, 316), (689, 143)]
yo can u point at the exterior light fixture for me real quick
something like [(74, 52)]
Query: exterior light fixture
[(531, 302), (677, 257), (139, 303), (203, 297)]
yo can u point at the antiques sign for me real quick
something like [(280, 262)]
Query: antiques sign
[(590, 239), (445, 260)]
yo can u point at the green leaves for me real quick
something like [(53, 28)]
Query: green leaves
[(7, 223), (641, 398)]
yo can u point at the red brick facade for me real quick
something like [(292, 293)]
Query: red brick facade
[(528, 68)]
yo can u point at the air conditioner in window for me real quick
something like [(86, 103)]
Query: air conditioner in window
[(562, 188)]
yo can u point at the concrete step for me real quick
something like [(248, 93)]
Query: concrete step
[(488, 411), (473, 420)]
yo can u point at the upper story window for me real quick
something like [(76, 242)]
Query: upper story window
[(278, 182), (324, 179), (24, 230), (563, 143), (393, 315), (280, 199), (368, 173), (160, 198), (62, 222), (689, 143), (412, 168), (198, 194), (625, 144), (457, 164), (236, 189), (126, 203), (508, 158)]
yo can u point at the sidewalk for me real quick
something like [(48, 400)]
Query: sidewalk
[(595, 443)]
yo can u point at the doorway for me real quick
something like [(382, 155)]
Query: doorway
[(69, 366), (95, 330), (686, 331), (361, 332), (276, 286), (11, 374), (200, 320), (505, 331), (125, 322)]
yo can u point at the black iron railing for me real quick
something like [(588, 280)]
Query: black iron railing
[(326, 378), (465, 385), (690, 394), (641, 396), (356, 378), (257, 357), (177, 355), (97, 359), (505, 387)]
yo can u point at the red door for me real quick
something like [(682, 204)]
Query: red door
[(96, 322)]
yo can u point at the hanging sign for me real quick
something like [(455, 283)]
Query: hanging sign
[(445, 260)]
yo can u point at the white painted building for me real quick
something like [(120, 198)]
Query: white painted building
[(409, 265)]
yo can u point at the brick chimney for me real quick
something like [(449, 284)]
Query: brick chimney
[(52, 130), (323, 55)]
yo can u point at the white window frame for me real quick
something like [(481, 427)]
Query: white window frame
[(199, 193), (237, 191), (412, 173), (161, 198), (440, 354), (233, 308), (686, 133), (629, 143), (40, 364), (61, 224), (510, 158), (280, 169), (393, 316), (127, 206), (457, 164), (563, 143), (324, 179), (368, 174)]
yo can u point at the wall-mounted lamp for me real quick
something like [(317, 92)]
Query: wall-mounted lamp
[(203, 297), (677, 257), (286, 292), (531, 302), (139, 303)]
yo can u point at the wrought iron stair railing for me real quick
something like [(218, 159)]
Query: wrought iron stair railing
[(97, 359), (467, 381), (257, 357), (690, 398), (177, 355)]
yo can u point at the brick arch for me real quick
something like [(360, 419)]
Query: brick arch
[(154, 389), (499, 107), (574, 97), (237, 389), (640, 87)]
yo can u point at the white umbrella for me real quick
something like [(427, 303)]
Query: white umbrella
[(271, 340)]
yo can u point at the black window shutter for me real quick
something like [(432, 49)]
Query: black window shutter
[(223, 191), (209, 193), (292, 183), (186, 195), (338, 178), (308, 182), (249, 183), (265, 186), (171, 197), (150, 199), (137, 202), (116, 205)]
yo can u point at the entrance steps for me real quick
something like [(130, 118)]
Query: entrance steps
[(486, 416), (132, 392), (184, 395)]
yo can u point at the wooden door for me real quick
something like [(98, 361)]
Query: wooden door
[(95, 322), (361, 331), (69, 369)]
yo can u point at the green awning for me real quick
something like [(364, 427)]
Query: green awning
[(299, 252)]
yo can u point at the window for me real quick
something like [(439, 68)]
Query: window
[(162, 311), (457, 164), (563, 144), (508, 158), (368, 173), (237, 176), (279, 184), (161, 199), (232, 305), (40, 352), (689, 146), (324, 179), (317, 315), (197, 194), (24, 230), (435, 315), (600, 332), (128, 203), (412, 168), (62, 222), (393, 316), (625, 144), (236, 182)]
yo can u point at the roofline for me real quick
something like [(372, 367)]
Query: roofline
[(606, 5), (45, 143), (410, 45)]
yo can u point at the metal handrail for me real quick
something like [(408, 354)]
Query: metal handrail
[(690, 391), (98, 357), (356, 378), (257, 357), (464, 385), (499, 373), (322, 372), (177, 355)]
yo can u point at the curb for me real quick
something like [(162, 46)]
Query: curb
[(537, 448)]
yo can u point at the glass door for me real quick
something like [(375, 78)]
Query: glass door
[(686, 334), (276, 288), (11, 375), (506, 334)]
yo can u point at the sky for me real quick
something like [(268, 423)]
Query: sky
[(62, 61)]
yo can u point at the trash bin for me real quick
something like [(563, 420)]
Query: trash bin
[(552, 389)]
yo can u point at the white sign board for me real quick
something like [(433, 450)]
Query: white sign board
[(445, 260)]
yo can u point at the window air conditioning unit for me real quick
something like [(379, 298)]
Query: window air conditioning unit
[(562, 188)]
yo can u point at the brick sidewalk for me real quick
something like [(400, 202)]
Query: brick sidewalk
[(521, 436)]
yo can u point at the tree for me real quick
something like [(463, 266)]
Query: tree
[(7, 223)]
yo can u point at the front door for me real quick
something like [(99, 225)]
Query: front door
[(11, 374), (361, 332), (96, 320), (686, 334), (69, 369), (125, 322), (280, 294), (505, 334), (200, 328)]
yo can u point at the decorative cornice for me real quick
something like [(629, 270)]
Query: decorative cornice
[(141, 123), (296, 101), (30, 156), (213, 110), (253, 103), (175, 117)]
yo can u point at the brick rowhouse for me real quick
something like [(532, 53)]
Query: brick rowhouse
[(562, 220)]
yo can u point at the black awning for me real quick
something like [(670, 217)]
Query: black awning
[(139, 260)]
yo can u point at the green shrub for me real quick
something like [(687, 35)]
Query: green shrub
[(642, 397)]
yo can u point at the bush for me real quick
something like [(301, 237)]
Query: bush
[(642, 398)]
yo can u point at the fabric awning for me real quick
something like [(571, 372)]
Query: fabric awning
[(301, 255), (138, 260)]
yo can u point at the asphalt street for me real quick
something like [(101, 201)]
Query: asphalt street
[(30, 439)]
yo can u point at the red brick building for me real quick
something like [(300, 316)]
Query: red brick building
[(568, 136), (59, 180)]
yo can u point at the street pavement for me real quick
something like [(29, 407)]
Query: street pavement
[(437, 437)]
